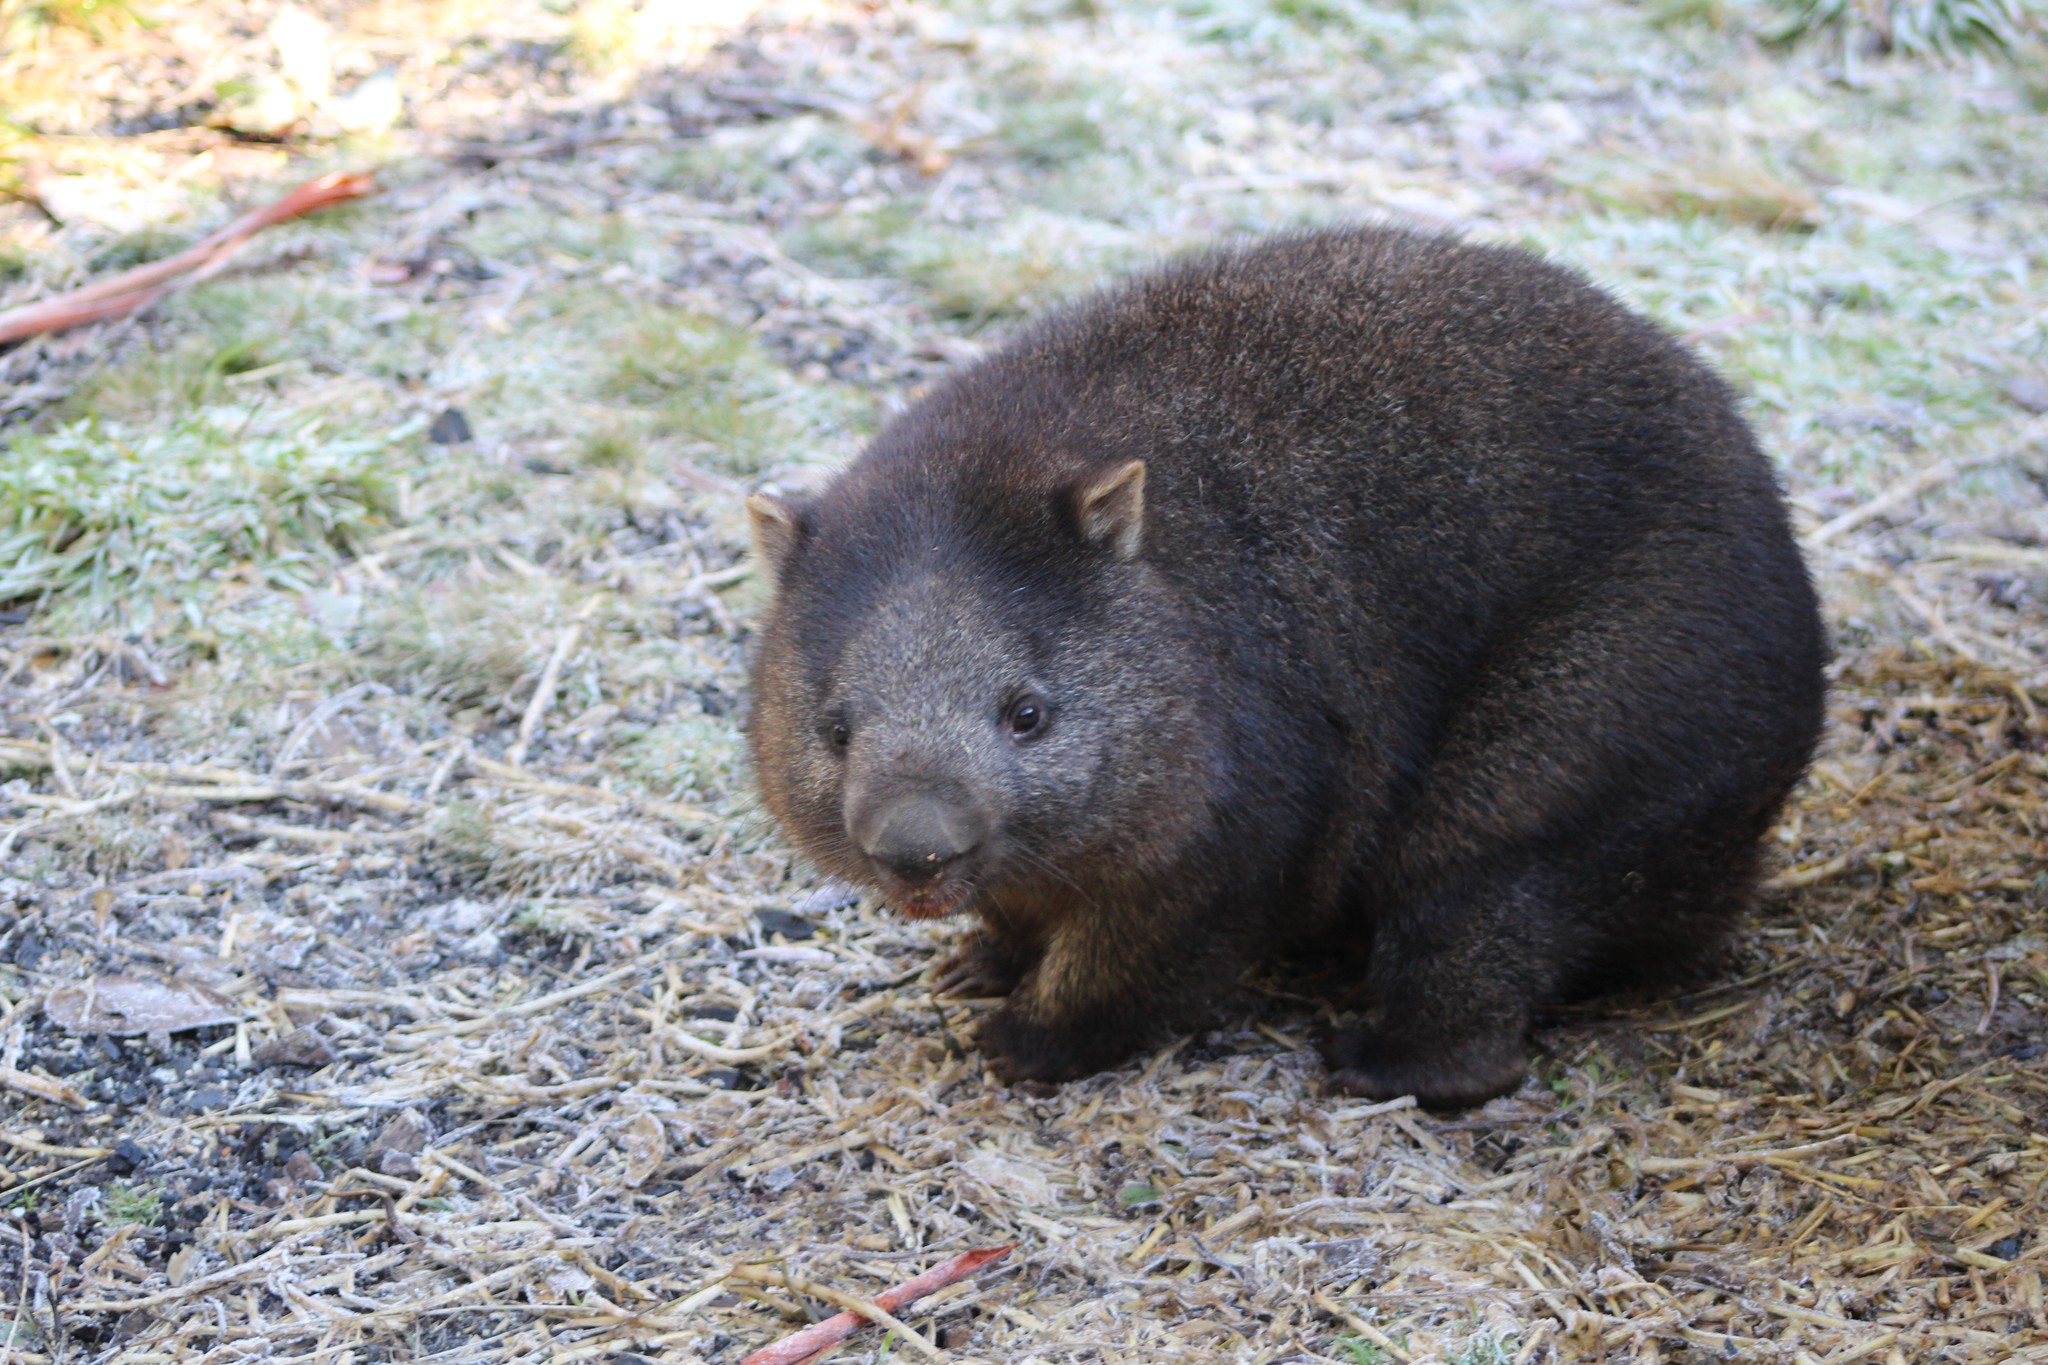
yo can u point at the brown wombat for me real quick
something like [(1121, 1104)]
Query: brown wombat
[(1406, 601)]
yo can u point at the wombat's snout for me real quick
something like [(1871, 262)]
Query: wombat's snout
[(919, 834)]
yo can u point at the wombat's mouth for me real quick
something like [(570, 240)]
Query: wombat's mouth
[(933, 900)]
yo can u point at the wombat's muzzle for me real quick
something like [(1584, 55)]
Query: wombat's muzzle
[(917, 835)]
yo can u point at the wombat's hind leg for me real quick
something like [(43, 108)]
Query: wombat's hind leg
[(1380, 1064), (1455, 980), (1021, 1047)]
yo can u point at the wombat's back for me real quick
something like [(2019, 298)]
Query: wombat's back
[(1387, 455)]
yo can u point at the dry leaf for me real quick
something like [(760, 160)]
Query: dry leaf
[(127, 1005), (645, 1143)]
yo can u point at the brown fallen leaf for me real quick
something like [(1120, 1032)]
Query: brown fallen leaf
[(645, 1143), (128, 1005)]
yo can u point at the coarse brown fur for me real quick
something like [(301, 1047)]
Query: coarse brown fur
[(1360, 590)]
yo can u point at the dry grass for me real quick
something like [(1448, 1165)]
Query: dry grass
[(545, 1051)]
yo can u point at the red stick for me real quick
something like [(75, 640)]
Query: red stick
[(823, 1336), (121, 294)]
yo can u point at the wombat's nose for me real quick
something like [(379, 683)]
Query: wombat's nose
[(918, 837)]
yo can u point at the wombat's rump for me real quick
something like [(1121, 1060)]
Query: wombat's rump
[(1401, 599)]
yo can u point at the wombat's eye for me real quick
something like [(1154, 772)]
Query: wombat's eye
[(839, 734), (1026, 718)]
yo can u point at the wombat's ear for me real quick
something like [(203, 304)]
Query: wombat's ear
[(1111, 509), (778, 526)]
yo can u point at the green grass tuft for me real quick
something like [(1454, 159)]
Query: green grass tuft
[(125, 1203), (101, 523), (1914, 28), (1358, 1351)]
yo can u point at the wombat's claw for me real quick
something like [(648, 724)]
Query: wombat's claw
[(974, 970), (1007, 1071)]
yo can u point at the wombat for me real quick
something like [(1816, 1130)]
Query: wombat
[(1401, 600)]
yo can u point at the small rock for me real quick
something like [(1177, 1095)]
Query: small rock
[(303, 1169), (262, 106), (207, 1098), (792, 927), (129, 1157), (300, 1047), (404, 1138), (29, 949), (398, 1164), (451, 428)]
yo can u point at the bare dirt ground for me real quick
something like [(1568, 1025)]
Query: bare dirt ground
[(397, 967)]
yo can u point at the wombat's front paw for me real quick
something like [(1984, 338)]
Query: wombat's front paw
[(1021, 1051), (977, 968), (1363, 1061)]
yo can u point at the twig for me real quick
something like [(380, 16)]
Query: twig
[(14, 1078), (821, 1336), (46, 1177), (1810, 874), (1905, 490), (310, 834), (1946, 634), (854, 1305), (1990, 1001), (550, 677), (851, 1142), (1358, 1325), (183, 782), (265, 1262), (131, 290), (538, 1005), (519, 777), (70, 812), (728, 1056)]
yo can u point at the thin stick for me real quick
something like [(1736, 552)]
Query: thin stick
[(1905, 490), (12, 1077), (852, 1303), (1811, 874), (550, 677), (131, 290), (822, 1336), (1356, 1324)]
